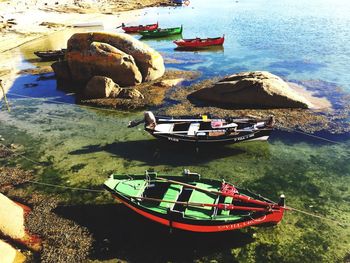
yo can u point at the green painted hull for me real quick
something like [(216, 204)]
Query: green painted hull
[(161, 32)]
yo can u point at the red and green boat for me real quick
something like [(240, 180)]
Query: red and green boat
[(195, 43), (136, 29), (193, 204)]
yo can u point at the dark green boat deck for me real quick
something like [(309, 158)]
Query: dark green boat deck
[(137, 188)]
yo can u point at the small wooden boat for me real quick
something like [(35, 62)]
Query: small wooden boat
[(136, 29), (161, 32), (50, 55), (206, 130), (193, 204), (195, 43)]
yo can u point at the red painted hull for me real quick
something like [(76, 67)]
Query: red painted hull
[(272, 218), (199, 42), (136, 29)]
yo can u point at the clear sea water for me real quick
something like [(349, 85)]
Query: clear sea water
[(297, 40)]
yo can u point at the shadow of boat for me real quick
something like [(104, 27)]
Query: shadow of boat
[(120, 233), (155, 152)]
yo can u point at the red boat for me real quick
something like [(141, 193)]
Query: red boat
[(136, 29), (200, 42)]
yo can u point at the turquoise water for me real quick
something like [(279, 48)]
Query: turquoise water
[(80, 147)]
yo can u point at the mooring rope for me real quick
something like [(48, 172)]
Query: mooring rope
[(59, 186), (21, 155), (309, 134)]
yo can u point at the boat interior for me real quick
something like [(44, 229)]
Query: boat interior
[(176, 193)]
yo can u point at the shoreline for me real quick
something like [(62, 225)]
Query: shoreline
[(25, 21)]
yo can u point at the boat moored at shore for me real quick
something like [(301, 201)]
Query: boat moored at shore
[(193, 204)]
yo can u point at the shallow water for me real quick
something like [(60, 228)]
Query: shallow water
[(79, 146)]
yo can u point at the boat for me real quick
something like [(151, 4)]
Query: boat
[(161, 32), (50, 55), (205, 129), (181, 2), (195, 43), (136, 29), (193, 204)]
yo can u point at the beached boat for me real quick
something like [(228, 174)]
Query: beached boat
[(161, 32), (50, 55), (195, 43), (136, 29), (206, 130), (193, 204)]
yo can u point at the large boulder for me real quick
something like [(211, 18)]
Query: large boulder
[(98, 58), (259, 89), (12, 223), (149, 61), (101, 87), (9, 254)]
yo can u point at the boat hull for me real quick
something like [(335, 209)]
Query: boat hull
[(204, 226), (136, 29), (181, 220), (261, 135), (161, 32), (199, 43)]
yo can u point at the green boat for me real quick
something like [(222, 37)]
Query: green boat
[(161, 32), (193, 204)]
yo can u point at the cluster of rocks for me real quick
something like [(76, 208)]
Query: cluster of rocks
[(104, 62)]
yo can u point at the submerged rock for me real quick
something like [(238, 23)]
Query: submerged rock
[(82, 47), (259, 89), (130, 94)]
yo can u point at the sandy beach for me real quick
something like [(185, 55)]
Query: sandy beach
[(22, 21)]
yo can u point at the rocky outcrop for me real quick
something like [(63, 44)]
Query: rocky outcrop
[(62, 71), (103, 59), (12, 223), (130, 94), (100, 87), (118, 56), (259, 89), (9, 254)]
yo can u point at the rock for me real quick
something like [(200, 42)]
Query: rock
[(149, 61), (101, 87), (130, 94), (258, 89), (9, 254), (105, 60), (12, 223), (62, 71)]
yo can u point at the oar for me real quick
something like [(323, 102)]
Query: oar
[(134, 123), (219, 206), (239, 197), (119, 26)]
